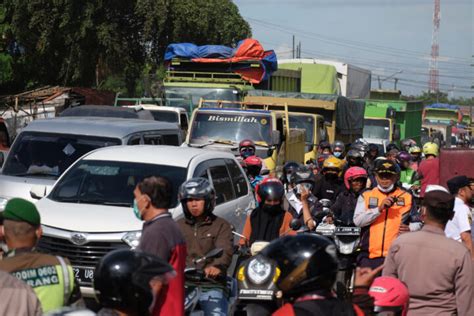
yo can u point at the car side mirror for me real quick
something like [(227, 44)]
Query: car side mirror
[(38, 192), (276, 138), (2, 158)]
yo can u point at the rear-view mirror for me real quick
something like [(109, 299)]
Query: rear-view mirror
[(38, 192), (295, 224)]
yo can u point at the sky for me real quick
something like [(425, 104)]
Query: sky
[(384, 36)]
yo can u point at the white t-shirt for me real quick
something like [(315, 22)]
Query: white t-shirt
[(461, 221)]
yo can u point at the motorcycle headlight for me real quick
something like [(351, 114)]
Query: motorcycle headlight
[(259, 270), (132, 238), (3, 203)]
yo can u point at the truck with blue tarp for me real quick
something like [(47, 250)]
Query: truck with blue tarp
[(215, 72)]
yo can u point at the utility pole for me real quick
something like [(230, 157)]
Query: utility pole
[(293, 47), (433, 83)]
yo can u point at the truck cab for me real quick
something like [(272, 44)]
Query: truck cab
[(315, 130), (223, 128)]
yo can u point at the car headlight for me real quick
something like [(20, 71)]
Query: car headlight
[(3, 203), (259, 270), (132, 238)]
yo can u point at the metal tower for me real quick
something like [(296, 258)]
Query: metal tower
[(433, 84)]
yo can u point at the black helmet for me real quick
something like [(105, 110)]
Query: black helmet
[(354, 158), (197, 188), (392, 146), (303, 175), (307, 262), (122, 280), (288, 169), (271, 190), (374, 147)]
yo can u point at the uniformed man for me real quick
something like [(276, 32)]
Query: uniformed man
[(380, 211), (51, 277)]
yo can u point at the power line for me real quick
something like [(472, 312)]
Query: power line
[(377, 49)]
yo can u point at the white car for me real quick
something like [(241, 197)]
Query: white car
[(46, 148), (89, 210)]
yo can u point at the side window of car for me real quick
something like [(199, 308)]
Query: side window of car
[(222, 183), (238, 178), (170, 139), (201, 170), (134, 140)]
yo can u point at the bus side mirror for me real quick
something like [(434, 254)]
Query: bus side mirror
[(275, 138)]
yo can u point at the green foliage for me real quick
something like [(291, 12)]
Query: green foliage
[(441, 97), (106, 43)]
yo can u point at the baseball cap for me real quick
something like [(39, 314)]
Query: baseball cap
[(454, 184), (439, 198), (21, 210), (386, 166)]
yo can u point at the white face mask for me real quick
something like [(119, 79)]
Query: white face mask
[(386, 190)]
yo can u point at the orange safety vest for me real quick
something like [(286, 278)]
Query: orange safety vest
[(386, 227)]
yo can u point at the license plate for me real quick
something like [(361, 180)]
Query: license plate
[(251, 294), (84, 275)]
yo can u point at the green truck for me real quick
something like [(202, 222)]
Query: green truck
[(389, 121)]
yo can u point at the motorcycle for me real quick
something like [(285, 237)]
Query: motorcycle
[(256, 276), (347, 239), (196, 277)]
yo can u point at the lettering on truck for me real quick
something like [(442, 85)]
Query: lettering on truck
[(239, 119)]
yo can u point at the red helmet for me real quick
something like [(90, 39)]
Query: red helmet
[(389, 293), (253, 165), (247, 148), (354, 173), (253, 161)]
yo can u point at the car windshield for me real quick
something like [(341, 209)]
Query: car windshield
[(304, 122), (111, 182), (49, 155), (186, 96), (165, 116), (376, 129), (231, 127)]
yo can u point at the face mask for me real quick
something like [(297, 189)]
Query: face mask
[(136, 211), (389, 189), (330, 176), (271, 209), (337, 154)]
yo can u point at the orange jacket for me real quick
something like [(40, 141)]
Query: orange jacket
[(385, 228), (284, 228)]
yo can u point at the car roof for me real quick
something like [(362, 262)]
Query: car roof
[(96, 126), (155, 154), (107, 111), (154, 107)]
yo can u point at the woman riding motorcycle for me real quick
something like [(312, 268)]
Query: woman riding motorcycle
[(268, 220), (355, 181)]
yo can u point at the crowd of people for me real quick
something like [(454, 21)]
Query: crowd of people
[(416, 253)]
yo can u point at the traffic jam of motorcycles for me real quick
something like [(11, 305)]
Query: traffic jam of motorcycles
[(240, 182)]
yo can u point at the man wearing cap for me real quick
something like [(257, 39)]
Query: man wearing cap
[(379, 212), (437, 270), (51, 277), (459, 228)]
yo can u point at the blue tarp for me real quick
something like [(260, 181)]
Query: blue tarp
[(443, 106)]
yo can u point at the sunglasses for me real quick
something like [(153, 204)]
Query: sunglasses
[(247, 149)]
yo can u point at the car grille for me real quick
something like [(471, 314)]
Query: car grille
[(85, 255)]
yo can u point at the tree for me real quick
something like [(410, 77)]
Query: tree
[(199, 22), (70, 42)]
